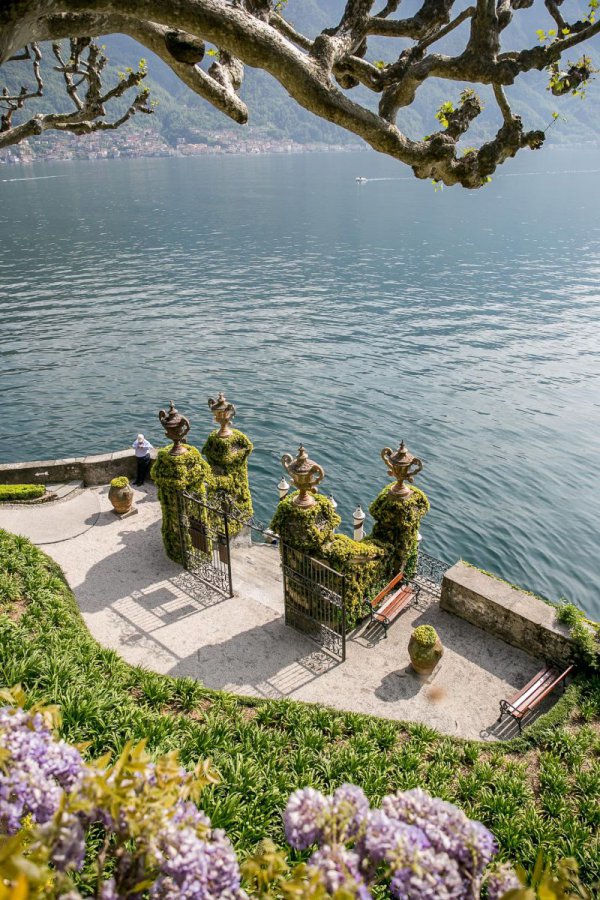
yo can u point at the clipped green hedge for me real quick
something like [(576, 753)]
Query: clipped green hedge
[(538, 791), (397, 521), (172, 474), (305, 528), (364, 565), (17, 492), (228, 459)]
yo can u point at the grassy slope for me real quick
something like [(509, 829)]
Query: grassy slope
[(542, 790)]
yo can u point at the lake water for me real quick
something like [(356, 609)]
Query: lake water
[(347, 316)]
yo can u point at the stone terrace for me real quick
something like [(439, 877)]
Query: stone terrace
[(156, 615)]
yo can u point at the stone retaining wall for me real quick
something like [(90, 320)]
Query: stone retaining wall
[(518, 618), (89, 469)]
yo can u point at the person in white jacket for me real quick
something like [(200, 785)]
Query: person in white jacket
[(142, 449)]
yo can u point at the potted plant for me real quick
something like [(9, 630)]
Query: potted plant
[(120, 495), (425, 649)]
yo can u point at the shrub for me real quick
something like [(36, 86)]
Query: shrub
[(17, 492), (584, 633), (119, 482), (425, 635)]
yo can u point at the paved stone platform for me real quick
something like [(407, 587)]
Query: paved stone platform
[(154, 614)]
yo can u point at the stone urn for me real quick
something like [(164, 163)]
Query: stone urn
[(425, 649), (120, 495)]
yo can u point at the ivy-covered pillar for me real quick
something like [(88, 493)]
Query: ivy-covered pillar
[(398, 511), (227, 451), (178, 467), (305, 519)]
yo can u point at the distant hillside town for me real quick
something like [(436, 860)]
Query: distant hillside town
[(150, 143)]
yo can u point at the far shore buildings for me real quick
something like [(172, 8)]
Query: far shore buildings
[(149, 143)]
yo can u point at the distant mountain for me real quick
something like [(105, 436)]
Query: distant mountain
[(181, 115)]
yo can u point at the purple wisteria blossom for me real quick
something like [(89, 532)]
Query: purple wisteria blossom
[(195, 867), (448, 829), (304, 817), (348, 811), (37, 770), (433, 876), (503, 879), (340, 868)]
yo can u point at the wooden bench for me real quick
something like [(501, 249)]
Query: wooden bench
[(395, 597), (533, 693)]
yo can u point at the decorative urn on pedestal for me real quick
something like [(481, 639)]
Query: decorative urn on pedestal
[(176, 427), (223, 413), (305, 474), (425, 649), (402, 466), (120, 495)]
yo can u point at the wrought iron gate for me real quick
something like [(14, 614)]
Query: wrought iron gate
[(314, 599), (204, 532)]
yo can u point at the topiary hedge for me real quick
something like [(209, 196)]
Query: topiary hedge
[(397, 521), (173, 474), (305, 528), (228, 459), (364, 565), (17, 492)]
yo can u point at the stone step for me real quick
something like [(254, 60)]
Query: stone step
[(63, 490)]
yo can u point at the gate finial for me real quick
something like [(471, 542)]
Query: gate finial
[(223, 413), (305, 474), (402, 466), (176, 427)]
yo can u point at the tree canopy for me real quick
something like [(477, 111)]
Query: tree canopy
[(333, 74)]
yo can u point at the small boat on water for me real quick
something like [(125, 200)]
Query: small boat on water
[(361, 179)]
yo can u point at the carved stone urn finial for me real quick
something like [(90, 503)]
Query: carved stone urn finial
[(223, 413), (402, 466), (176, 427), (305, 474)]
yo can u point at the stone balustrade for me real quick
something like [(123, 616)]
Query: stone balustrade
[(100, 469)]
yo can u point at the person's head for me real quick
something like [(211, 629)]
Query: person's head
[(140, 438)]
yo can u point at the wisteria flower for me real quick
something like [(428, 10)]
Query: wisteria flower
[(340, 868), (304, 817), (502, 880)]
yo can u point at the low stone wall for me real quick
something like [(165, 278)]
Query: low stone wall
[(518, 618), (89, 469)]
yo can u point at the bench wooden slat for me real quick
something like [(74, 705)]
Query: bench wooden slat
[(536, 690), (388, 604), (395, 605), (374, 602)]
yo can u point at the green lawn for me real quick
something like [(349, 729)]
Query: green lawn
[(542, 790)]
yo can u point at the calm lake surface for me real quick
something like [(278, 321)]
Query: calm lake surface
[(346, 316)]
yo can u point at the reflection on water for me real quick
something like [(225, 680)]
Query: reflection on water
[(345, 315)]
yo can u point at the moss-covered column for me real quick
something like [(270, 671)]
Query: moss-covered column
[(305, 528), (228, 459), (173, 474), (397, 521)]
